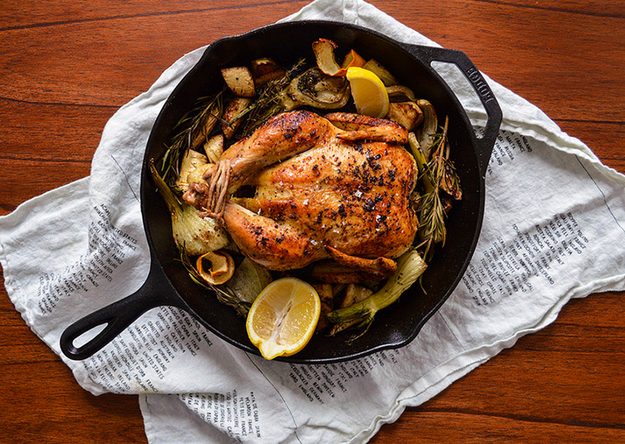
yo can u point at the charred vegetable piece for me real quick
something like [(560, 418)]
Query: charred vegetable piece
[(205, 125), (232, 115), (264, 70), (331, 272), (407, 114)]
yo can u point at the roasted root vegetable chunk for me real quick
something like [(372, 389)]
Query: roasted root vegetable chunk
[(264, 70), (407, 114), (240, 81), (231, 118)]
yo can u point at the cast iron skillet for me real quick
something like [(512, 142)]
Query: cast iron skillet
[(168, 283)]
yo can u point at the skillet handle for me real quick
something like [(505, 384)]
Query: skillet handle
[(116, 317), (485, 94)]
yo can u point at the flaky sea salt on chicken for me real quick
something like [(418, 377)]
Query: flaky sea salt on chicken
[(331, 188)]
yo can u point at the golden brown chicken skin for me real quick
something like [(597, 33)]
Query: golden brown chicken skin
[(336, 187)]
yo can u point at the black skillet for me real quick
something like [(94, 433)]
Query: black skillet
[(168, 283)]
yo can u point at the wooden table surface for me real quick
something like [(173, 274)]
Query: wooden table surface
[(67, 66)]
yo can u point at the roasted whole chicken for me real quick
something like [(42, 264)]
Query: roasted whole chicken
[(304, 188)]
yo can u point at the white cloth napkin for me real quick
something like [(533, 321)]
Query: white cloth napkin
[(553, 230)]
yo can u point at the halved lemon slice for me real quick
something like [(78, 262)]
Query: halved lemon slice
[(368, 92), (283, 317)]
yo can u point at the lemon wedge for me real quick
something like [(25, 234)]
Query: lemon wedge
[(283, 317), (368, 92)]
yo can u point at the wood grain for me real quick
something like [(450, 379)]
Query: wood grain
[(66, 67)]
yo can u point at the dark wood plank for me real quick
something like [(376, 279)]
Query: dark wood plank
[(53, 13), (108, 62)]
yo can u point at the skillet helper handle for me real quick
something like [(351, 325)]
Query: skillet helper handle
[(482, 89), (117, 316)]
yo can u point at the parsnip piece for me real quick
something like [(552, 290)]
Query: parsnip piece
[(264, 70), (206, 127), (240, 80), (231, 122), (329, 271), (407, 114)]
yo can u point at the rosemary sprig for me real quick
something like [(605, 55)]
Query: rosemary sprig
[(269, 101), (437, 175), (193, 128)]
